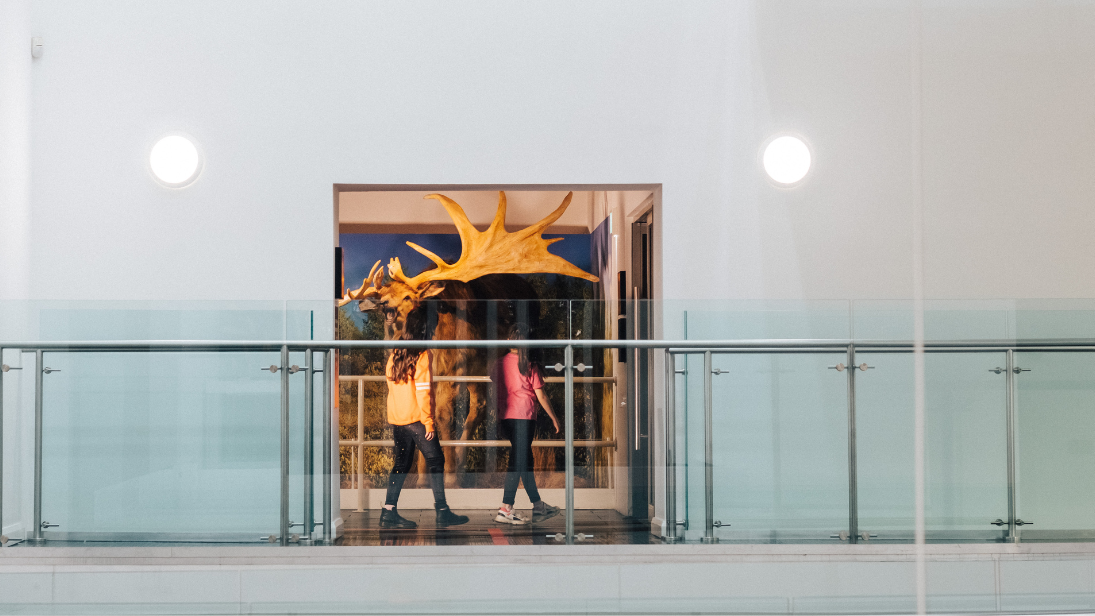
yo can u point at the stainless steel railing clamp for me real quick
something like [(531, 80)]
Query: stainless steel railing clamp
[(997, 521), (1020, 522), (48, 370), (292, 369), (560, 537), (7, 368), (718, 371), (719, 524), (998, 370), (861, 367), (1018, 370), (578, 367), (845, 536)]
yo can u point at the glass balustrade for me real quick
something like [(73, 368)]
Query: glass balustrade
[(789, 422)]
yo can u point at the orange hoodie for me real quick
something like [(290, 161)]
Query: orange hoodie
[(412, 400)]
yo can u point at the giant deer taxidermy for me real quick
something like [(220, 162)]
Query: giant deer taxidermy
[(485, 271)]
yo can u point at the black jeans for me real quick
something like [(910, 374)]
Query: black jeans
[(520, 433), (406, 439)]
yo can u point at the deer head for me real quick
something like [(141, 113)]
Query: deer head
[(494, 251)]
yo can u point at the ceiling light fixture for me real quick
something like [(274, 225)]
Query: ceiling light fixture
[(786, 160), (175, 161)]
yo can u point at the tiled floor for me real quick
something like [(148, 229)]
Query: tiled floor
[(604, 527)]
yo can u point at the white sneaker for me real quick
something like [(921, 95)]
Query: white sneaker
[(543, 513), (509, 517)]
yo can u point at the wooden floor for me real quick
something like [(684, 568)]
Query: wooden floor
[(606, 526)]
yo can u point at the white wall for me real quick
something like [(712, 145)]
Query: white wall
[(15, 110), (287, 99)]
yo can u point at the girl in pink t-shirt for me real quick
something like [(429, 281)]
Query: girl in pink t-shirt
[(518, 386)]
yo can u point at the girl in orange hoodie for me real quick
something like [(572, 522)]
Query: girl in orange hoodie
[(411, 413)]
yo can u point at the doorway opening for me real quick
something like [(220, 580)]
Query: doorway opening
[(598, 232)]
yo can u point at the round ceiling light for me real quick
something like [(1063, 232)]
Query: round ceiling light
[(175, 161), (786, 159)]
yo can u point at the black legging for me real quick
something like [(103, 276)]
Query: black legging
[(406, 437), (520, 460)]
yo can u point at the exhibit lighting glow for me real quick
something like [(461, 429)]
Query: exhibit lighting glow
[(175, 160), (786, 159)]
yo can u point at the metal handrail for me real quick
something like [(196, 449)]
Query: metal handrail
[(379, 378), (801, 344), (545, 443)]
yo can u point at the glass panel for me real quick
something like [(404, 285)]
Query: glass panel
[(1055, 445), (744, 320), (780, 447), (164, 443), (884, 443), (966, 444), (476, 473)]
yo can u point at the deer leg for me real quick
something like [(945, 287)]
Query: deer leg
[(444, 397), (476, 405)]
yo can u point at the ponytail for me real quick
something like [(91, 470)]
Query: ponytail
[(519, 331)]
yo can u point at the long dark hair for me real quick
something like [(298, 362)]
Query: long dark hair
[(519, 331), (404, 360)]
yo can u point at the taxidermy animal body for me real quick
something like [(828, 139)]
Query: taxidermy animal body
[(459, 294)]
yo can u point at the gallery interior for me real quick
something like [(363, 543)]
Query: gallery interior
[(713, 307)]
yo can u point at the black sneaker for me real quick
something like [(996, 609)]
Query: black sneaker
[(390, 518), (445, 517)]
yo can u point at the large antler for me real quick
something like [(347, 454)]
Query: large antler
[(363, 291), (494, 251)]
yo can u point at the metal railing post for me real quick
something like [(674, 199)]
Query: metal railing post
[(670, 447), (284, 445), (328, 378), (568, 361), (309, 442), (39, 368), (708, 453), (1009, 384), (359, 450), (853, 482)]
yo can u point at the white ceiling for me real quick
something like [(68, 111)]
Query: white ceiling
[(523, 208)]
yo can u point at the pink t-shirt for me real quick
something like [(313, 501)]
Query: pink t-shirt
[(516, 393)]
